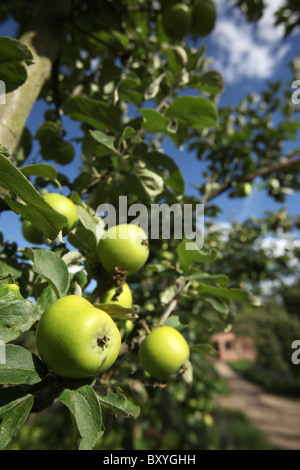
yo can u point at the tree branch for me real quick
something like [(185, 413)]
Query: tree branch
[(43, 38), (251, 176)]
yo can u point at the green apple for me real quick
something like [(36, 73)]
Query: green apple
[(163, 352), (31, 233), (247, 188), (177, 21), (125, 247), (243, 189), (65, 153), (50, 115), (12, 287), (64, 206), (167, 3), (166, 255), (208, 420), (124, 299), (76, 339), (129, 325), (148, 305), (203, 18)]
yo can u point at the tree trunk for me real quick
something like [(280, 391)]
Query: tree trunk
[(14, 114), (43, 39)]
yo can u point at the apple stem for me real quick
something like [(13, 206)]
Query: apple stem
[(119, 279)]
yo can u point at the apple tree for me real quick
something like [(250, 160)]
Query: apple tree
[(130, 82)]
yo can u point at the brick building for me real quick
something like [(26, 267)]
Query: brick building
[(232, 348)]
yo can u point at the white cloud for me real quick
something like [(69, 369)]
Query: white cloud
[(277, 247), (266, 30), (246, 50)]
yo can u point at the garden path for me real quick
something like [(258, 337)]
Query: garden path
[(276, 416)]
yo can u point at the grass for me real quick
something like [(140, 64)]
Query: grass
[(233, 431)]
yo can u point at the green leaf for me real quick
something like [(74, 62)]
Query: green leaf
[(85, 407), (119, 404), (24, 147), (33, 206), (217, 304), (127, 133), (210, 82), (21, 366), (116, 311), (154, 122), (50, 265), (86, 236), (130, 90), (122, 38), (195, 59), (8, 278), (234, 294), (104, 139), (10, 267), (179, 132), (221, 279), (152, 183), (205, 348), (98, 114), (40, 169), (131, 184), (176, 56), (13, 415), (12, 69), (198, 113), (168, 294), (16, 313), (188, 258), (91, 223), (154, 87), (47, 297), (82, 239), (159, 160)]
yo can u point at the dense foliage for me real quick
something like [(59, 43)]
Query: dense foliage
[(130, 85)]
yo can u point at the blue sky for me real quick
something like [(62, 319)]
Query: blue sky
[(247, 56)]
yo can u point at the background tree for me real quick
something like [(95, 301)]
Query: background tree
[(114, 69)]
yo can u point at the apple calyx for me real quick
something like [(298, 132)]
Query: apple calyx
[(145, 242), (103, 340)]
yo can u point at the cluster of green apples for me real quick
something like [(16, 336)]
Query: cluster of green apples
[(74, 338), (63, 153), (180, 19), (164, 350)]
